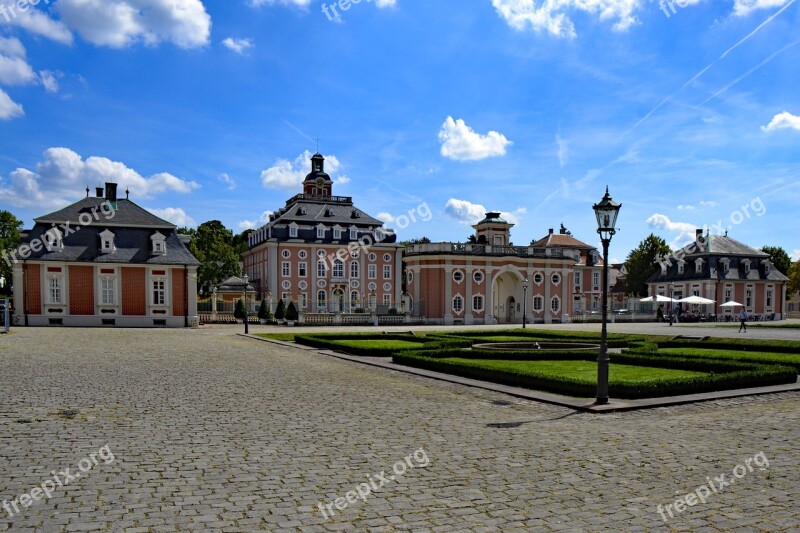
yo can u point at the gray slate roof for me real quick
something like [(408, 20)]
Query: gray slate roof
[(132, 227), (126, 213)]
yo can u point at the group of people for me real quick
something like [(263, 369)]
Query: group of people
[(678, 315)]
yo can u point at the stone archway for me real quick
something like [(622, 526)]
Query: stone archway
[(507, 295)]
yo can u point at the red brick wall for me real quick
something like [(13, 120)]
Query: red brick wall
[(134, 292), (178, 288), (34, 296), (81, 290)]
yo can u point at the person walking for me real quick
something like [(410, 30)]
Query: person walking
[(743, 318)]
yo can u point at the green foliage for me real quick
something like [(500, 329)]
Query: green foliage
[(779, 258), (212, 246), (793, 287), (239, 311), (373, 345), (642, 262), (280, 310), (10, 227), (291, 312), (263, 311)]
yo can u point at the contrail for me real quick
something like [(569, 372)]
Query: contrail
[(703, 71)]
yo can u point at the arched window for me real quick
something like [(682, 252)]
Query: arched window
[(321, 301), (338, 268), (321, 269)]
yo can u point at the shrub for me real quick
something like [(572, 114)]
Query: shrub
[(263, 311), (291, 312), (239, 311), (280, 311)]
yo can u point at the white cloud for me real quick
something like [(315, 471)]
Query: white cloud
[(783, 121), (563, 151), (240, 46), (341, 180), (62, 175), (49, 80), (9, 109), (701, 204), (14, 69), (176, 215), (795, 255), (745, 7), (227, 181), (684, 207), (253, 224), (686, 231), (39, 23), (468, 213), (461, 143), (298, 3), (289, 175), (553, 16), (386, 217), (120, 23)]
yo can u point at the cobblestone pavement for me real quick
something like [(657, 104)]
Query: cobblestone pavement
[(215, 432)]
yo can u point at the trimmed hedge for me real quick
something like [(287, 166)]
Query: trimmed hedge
[(735, 344), (721, 375), (338, 342)]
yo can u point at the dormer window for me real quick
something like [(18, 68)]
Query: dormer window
[(681, 266), (746, 263), (53, 240), (329, 212), (107, 242), (337, 232), (320, 232), (302, 211), (355, 214), (159, 244), (293, 231), (726, 265), (767, 268), (698, 266), (353, 233)]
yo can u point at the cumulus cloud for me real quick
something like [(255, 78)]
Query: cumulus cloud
[(176, 215), (226, 180), (795, 255), (298, 3), (386, 217), (468, 213), (14, 68), (239, 46), (49, 80), (461, 143), (253, 224), (685, 230), (289, 175), (9, 109), (121, 23), (63, 174), (39, 23), (783, 121), (745, 7), (553, 17), (701, 204)]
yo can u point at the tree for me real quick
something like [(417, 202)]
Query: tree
[(9, 240), (280, 310), (239, 311), (779, 258), (291, 312), (263, 311), (642, 262), (794, 279), (212, 246)]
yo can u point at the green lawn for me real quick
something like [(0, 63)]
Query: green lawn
[(735, 355), (580, 370)]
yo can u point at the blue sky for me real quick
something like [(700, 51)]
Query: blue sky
[(689, 112)]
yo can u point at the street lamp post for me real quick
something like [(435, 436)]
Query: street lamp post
[(606, 212), (246, 317), (671, 301), (524, 302)]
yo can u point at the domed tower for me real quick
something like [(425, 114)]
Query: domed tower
[(317, 182), (493, 230)]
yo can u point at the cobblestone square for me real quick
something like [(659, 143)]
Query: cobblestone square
[(211, 431)]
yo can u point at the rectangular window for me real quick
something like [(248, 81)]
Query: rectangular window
[(293, 232), (387, 299), (321, 269), (337, 234), (769, 298), (54, 292), (578, 279), (387, 272), (372, 272), (301, 269), (477, 303), (538, 303), (320, 233), (107, 291), (159, 292), (595, 278), (353, 234), (303, 300), (286, 269)]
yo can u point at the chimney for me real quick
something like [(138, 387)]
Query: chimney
[(111, 192), (551, 231), (99, 191), (698, 234)]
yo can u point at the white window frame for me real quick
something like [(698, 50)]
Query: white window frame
[(538, 303), (387, 271), (103, 291), (387, 299), (372, 271), (477, 303), (458, 304), (293, 231), (302, 269), (286, 269), (154, 291), (355, 269), (55, 282), (555, 305), (322, 269), (338, 268)]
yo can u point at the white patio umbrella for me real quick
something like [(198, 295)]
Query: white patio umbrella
[(699, 300), (732, 304), (658, 298)]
